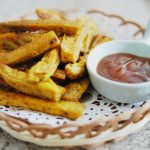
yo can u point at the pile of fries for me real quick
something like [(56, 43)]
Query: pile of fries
[(42, 62)]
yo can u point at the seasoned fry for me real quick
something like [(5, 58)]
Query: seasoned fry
[(12, 41), (92, 32), (3, 83), (9, 45), (71, 46), (76, 70), (63, 26), (49, 14), (46, 67), (8, 36), (19, 81), (99, 39), (60, 74), (7, 41), (75, 90), (71, 110), (37, 46)]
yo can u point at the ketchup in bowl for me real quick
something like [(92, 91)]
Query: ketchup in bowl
[(126, 68)]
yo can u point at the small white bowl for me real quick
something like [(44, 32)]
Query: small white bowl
[(113, 90)]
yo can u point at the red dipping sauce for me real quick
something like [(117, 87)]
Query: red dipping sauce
[(125, 68)]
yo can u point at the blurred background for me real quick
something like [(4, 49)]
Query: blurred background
[(136, 10)]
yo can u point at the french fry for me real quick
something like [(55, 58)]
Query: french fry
[(100, 39), (19, 81), (71, 46), (12, 41), (3, 83), (9, 45), (63, 26), (37, 46), (60, 74), (49, 14), (7, 41), (76, 70), (75, 90), (92, 32), (45, 68), (8, 36), (71, 110)]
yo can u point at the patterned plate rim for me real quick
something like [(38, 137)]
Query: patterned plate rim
[(91, 129)]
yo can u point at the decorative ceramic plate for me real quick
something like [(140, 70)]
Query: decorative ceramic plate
[(103, 120)]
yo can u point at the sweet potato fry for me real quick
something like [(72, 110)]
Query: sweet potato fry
[(45, 68), (75, 90), (76, 70), (19, 81), (37, 46), (60, 74), (71, 110), (67, 27), (49, 14)]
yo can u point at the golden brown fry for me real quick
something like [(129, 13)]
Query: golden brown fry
[(100, 39), (45, 68), (76, 70), (71, 46), (4, 51), (19, 81), (92, 31), (60, 74), (9, 45), (49, 14), (7, 41), (12, 36), (37, 46), (75, 90), (71, 110), (63, 26), (3, 83)]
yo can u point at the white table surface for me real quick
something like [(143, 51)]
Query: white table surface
[(136, 10)]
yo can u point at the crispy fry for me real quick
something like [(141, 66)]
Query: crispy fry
[(46, 67), (7, 41), (60, 74), (71, 110), (100, 39), (9, 45), (12, 41), (71, 46), (37, 46), (8, 36), (19, 81), (49, 14), (76, 70), (3, 51), (67, 27), (75, 90), (3, 83), (92, 31)]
